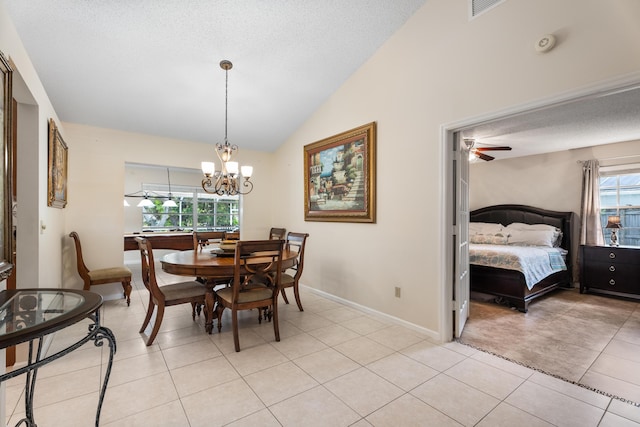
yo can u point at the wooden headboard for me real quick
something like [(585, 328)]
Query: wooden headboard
[(507, 214)]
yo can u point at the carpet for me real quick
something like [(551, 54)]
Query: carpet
[(588, 340)]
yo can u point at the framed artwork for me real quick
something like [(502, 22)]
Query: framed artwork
[(57, 188), (340, 177), (6, 226)]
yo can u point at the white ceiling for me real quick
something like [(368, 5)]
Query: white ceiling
[(152, 66), (602, 118)]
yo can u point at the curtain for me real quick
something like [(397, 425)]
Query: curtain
[(590, 226)]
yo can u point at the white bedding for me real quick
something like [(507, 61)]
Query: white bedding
[(535, 262)]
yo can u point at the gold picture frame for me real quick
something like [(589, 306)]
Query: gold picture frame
[(340, 177), (58, 153), (6, 168)]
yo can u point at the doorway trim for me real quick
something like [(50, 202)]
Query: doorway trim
[(602, 88)]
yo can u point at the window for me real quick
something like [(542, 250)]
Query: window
[(208, 211), (620, 195)]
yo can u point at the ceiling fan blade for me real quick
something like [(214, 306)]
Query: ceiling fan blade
[(484, 156), (493, 149)]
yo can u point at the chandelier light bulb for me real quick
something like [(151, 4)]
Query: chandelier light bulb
[(247, 171)]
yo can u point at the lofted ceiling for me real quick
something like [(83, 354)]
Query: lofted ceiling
[(152, 67)]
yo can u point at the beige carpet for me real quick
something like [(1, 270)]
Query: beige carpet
[(589, 340)]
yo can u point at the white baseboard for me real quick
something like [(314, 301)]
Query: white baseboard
[(433, 335)]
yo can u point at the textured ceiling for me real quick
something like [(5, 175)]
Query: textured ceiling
[(152, 66), (591, 120)]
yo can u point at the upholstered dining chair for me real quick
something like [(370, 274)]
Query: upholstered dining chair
[(277, 233), (254, 283), (101, 276), (295, 242), (201, 239), (191, 292)]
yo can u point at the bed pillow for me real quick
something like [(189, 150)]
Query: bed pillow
[(537, 227), (532, 238), (484, 228), (489, 239)]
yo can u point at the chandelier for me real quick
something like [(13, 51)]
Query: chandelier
[(226, 181)]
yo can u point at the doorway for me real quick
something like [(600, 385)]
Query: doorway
[(546, 114)]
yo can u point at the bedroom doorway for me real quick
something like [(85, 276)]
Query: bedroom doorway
[(571, 113)]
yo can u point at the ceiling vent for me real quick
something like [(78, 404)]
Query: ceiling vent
[(477, 7)]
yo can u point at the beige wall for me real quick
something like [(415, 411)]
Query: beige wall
[(438, 69), (97, 184), (549, 181)]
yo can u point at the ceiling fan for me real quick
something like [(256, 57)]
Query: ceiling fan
[(478, 152)]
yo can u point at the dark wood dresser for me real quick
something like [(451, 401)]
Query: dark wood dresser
[(610, 270)]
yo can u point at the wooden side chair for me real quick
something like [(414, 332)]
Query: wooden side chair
[(257, 272), (277, 233), (102, 275), (164, 296), (201, 239), (296, 242)]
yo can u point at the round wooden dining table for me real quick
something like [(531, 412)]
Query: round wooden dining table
[(212, 267)]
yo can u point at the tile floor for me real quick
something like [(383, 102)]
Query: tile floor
[(334, 366), (590, 339)]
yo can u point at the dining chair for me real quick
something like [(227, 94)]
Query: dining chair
[(164, 296), (205, 238), (101, 276), (232, 235), (254, 284), (277, 233), (295, 242)]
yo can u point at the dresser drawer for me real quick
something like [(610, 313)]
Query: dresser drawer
[(605, 254), (612, 277)]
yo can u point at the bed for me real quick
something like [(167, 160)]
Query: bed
[(510, 286)]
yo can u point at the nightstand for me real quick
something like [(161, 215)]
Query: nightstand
[(610, 270)]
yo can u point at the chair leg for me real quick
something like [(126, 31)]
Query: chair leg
[(296, 293), (193, 311), (219, 309), (284, 296), (156, 325), (148, 316), (234, 325), (87, 285), (126, 285), (276, 327)]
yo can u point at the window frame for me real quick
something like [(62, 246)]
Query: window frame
[(629, 234), (196, 195)]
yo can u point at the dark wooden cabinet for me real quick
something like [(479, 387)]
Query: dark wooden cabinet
[(610, 270)]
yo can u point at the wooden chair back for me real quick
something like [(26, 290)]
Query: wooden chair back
[(297, 242), (277, 233), (205, 238), (83, 271), (148, 267)]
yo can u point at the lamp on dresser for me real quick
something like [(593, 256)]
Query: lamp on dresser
[(613, 223)]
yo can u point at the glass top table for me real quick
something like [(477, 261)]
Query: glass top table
[(29, 315)]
